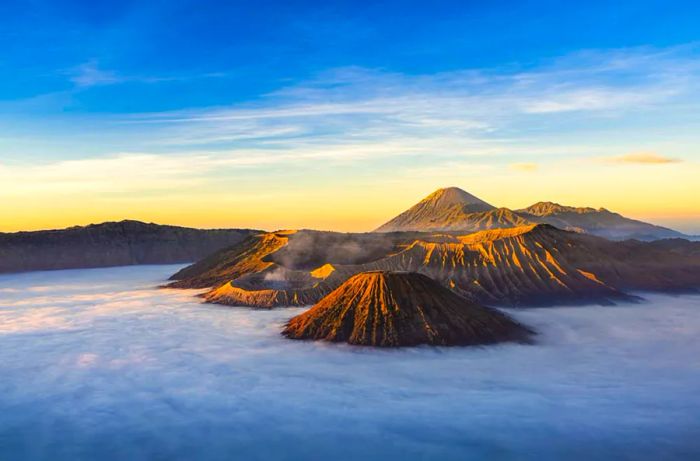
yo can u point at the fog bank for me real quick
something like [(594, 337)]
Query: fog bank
[(97, 364)]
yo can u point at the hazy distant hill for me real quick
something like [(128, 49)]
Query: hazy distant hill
[(452, 209), (111, 244), (595, 221), (534, 265)]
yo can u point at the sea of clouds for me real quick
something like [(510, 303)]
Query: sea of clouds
[(100, 364)]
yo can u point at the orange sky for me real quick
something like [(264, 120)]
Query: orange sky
[(61, 196)]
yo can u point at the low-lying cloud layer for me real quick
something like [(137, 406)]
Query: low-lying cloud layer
[(97, 364)]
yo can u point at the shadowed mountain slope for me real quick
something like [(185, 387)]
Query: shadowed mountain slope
[(391, 309), (455, 210), (111, 244), (535, 265), (231, 263), (681, 247)]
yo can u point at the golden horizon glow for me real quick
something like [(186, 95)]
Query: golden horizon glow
[(662, 194)]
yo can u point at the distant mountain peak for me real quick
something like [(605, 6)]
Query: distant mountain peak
[(447, 196), (438, 210), (452, 209), (597, 221), (549, 208)]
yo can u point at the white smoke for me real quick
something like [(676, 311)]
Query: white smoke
[(276, 275)]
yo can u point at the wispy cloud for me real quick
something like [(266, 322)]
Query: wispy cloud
[(374, 106), (526, 167), (118, 173), (649, 158), (141, 172), (90, 74)]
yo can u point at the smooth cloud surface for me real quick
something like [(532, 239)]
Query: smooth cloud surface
[(97, 364)]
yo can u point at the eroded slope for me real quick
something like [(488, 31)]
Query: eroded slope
[(533, 265), (391, 309)]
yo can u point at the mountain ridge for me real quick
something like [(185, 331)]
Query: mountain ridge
[(534, 265), (112, 243), (458, 214)]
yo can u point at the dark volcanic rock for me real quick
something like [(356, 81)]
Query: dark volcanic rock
[(111, 244), (391, 309)]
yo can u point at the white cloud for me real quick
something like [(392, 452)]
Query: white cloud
[(134, 172), (146, 373), (595, 99), (90, 74), (375, 106), (118, 173)]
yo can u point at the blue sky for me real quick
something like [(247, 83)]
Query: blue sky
[(161, 55), (148, 110)]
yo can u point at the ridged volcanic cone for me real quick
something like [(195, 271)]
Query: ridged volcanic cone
[(391, 309)]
